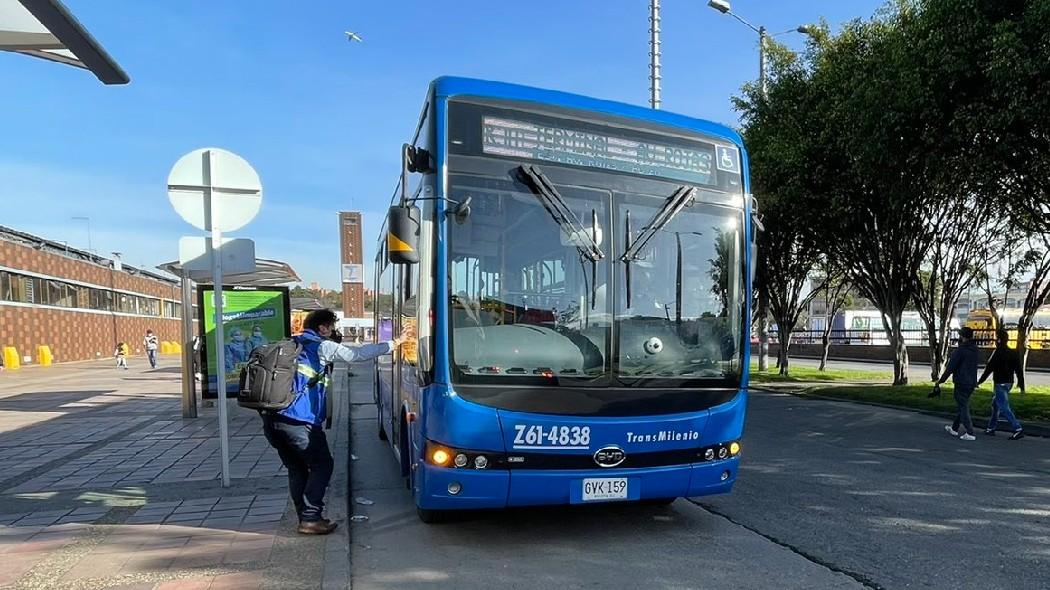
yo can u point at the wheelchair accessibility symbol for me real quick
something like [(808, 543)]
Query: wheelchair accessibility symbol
[(727, 159)]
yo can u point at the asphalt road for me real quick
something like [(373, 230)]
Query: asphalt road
[(920, 373), (831, 495)]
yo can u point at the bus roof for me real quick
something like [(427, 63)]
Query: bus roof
[(450, 86)]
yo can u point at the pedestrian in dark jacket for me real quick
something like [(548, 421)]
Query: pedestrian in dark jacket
[(1002, 366), (962, 368)]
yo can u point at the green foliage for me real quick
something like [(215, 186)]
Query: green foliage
[(1033, 405), (886, 147), (804, 374)]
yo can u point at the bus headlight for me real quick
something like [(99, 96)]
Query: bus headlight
[(709, 455), (439, 456), (723, 452), (734, 448)]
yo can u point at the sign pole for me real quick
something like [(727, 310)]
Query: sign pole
[(220, 363), (197, 184), (211, 216)]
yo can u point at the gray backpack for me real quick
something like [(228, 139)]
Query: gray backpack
[(268, 381)]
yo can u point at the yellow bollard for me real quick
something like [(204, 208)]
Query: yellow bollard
[(176, 348), (165, 347), (43, 355), (11, 358)]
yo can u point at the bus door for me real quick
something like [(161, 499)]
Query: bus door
[(386, 330), (405, 377)]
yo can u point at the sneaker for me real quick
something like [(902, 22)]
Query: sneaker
[(948, 428), (989, 432), (967, 437), (1018, 435), (316, 527)]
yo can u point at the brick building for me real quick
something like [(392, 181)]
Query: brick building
[(77, 303), (352, 257)]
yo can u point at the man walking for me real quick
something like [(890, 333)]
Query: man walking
[(150, 341), (962, 368), (297, 432), (1004, 364)]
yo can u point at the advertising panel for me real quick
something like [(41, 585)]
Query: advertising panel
[(252, 317)]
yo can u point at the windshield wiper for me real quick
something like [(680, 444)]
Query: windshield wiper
[(586, 242), (559, 211), (672, 206)]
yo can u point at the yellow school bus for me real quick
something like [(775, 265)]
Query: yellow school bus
[(984, 324)]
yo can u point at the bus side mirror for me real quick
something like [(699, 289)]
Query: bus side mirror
[(402, 234)]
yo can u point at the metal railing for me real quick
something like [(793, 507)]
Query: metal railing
[(1039, 338)]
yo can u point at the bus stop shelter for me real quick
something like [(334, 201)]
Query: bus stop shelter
[(45, 29), (267, 273)]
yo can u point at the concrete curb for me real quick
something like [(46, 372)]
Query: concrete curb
[(1031, 428)]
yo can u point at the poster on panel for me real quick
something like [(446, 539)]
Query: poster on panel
[(252, 317)]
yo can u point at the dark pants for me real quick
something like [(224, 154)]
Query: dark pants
[(304, 451), (962, 403), (152, 354)]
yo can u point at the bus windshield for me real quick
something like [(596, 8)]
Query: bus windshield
[(547, 289)]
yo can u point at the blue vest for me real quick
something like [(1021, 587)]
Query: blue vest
[(309, 404)]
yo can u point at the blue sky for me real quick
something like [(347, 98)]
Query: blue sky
[(321, 119)]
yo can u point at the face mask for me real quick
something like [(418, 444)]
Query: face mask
[(238, 338), (257, 334)]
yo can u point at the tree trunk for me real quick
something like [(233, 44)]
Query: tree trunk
[(825, 343), (935, 351), (785, 348), (940, 355), (900, 351), (1022, 345), (763, 332)]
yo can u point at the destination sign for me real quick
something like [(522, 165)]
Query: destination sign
[(519, 139)]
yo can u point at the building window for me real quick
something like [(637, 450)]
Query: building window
[(53, 292)]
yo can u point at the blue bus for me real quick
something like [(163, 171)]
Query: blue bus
[(578, 275)]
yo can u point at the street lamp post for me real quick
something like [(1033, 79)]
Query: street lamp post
[(88, 220), (724, 7)]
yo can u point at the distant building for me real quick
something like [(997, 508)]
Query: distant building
[(77, 303), (352, 258)]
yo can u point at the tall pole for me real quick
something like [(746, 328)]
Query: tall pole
[(762, 327), (762, 62), (88, 221), (654, 54), (210, 204)]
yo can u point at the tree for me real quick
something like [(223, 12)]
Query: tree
[(960, 231), (836, 296), (870, 186), (775, 126), (993, 60)]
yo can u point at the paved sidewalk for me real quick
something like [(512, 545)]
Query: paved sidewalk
[(104, 485)]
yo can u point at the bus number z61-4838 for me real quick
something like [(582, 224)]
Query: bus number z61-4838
[(538, 436)]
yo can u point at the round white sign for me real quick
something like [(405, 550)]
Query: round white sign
[(214, 189)]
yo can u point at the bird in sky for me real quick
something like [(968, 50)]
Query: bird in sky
[(352, 36)]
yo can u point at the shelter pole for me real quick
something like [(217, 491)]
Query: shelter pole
[(189, 382)]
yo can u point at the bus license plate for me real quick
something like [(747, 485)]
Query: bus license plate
[(608, 488)]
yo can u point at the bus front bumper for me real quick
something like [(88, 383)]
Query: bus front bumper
[(533, 487)]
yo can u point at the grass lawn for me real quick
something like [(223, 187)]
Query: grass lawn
[(1033, 405), (805, 374)]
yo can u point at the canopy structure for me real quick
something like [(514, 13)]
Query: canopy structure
[(267, 273), (46, 29)]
